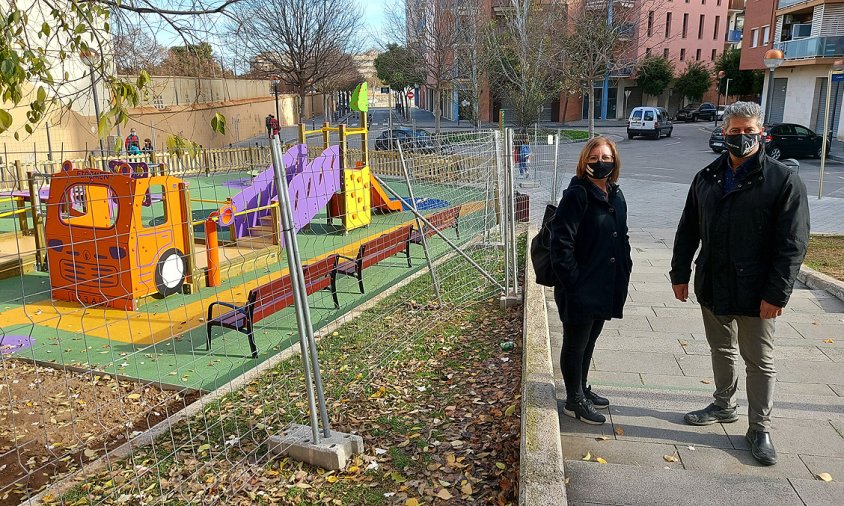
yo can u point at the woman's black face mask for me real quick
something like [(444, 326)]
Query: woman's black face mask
[(601, 169)]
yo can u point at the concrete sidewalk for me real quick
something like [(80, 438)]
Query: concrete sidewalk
[(654, 366)]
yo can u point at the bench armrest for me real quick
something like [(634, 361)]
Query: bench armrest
[(347, 258), (226, 304)]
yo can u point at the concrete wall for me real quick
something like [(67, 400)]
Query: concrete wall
[(802, 95)]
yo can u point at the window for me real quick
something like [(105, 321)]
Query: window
[(717, 22), (714, 54), (637, 115), (799, 130), (667, 25), (155, 210), (647, 52), (683, 54), (700, 28), (766, 33), (650, 23), (665, 53), (719, 3), (89, 206), (697, 55), (649, 115), (753, 34), (685, 24)]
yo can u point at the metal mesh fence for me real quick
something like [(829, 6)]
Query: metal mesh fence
[(160, 285)]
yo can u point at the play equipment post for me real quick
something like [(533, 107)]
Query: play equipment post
[(212, 247), (303, 312), (187, 226), (22, 221), (37, 223)]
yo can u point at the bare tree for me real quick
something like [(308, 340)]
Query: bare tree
[(525, 52), (597, 44), (470, 54), (136, 50), (430, 29), (303, 42)]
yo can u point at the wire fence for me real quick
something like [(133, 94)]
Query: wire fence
[(136, 289)]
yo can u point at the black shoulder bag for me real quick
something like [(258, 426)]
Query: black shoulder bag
[(540, 250)]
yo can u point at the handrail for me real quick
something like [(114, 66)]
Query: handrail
[(16, 211), (239, 213)]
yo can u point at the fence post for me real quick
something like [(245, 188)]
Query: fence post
[(206, 162), (554, 175), (37, 224)]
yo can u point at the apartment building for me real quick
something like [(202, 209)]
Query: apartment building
[(811, 35)]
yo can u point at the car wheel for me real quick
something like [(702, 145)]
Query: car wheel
[(819, 152), (656, 135), (669, 132), (775, 152), (170, 272), (630, 136)]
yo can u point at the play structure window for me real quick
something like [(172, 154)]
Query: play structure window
[(90, 206), (154, 211)]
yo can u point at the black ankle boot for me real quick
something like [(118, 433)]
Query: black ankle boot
[(596, 400), (584, 411)]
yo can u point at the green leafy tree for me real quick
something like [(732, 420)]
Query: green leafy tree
[(694, 81), (400, 68), (742, 82), (654, 75), (49, 50)]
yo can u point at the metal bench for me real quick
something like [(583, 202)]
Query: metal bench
[(372, 252), (447, 218), (270, 298)]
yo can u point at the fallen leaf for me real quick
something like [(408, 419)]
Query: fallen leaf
[(670, 458), (705, 381), (204, 448), (500, 465), (411, 502), (825, 476), (619, 430), (466, 488), (601, 438), (133, 397), (692, 448), (588, 456), (332, 479), (444, 494), (456, 443), (600, 460), (510, 410), (828, 341)]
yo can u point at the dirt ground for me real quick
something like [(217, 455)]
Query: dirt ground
[(53, 421), (826, 254)]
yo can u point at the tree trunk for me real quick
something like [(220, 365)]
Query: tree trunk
[(592, 113), (302, 95), (437, 106)]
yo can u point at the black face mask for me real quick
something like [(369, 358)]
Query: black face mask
[(601, 170), (740, 145)]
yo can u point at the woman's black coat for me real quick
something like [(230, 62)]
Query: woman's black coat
[(590, 253)]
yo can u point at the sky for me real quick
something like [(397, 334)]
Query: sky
[(374, 14)]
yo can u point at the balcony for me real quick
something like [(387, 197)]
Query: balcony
[(733, 36), (737, 5), (784, 4), (812, 47), (626, 31)]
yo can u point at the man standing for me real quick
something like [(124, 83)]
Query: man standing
[(268, 121), (132, 142), (750, 215)]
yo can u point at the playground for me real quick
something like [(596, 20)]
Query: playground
[(127, 260)]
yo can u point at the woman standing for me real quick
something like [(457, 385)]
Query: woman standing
[(590, 255)]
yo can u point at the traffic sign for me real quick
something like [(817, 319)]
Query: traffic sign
[(837, 78), (410, 94), (385, 91)]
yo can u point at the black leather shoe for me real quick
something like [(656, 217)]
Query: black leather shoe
[(762, 447), (584, 411), (711, 414), (596, 400)]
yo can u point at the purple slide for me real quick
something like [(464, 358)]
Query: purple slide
[(310, 185)]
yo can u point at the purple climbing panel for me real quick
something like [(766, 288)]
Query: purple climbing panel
[(262, 190), (311, 189)]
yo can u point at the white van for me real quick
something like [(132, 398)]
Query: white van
[(651, 121)]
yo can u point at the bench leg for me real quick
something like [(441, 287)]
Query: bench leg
[(250, 334), (334, 292), (360, 280), (407, 253), (208, 336), (457, 228)]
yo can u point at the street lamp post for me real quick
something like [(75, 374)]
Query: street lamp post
[(276, 81), (721, 75), (91, 58), (773, 59), (837, 73)]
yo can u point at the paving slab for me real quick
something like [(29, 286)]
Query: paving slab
[(819, 493), (834, 354), (832, 465), (803, 406), (651, 345), (792, 435), (631, 379), (804, 371), (612, 484), (635, 323), (838, 389), (633, 361), (728, 461), (819, 331), (672, 382), (814, 389), (630, 453), (687, 324)]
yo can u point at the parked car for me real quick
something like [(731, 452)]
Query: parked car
[(693, 112), (650, 121), (716, 141), (791, 140), (720, 112), (419, 140)]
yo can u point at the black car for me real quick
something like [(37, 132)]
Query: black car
[(420, 140), (716, 141), (784, 140), (693, 112)]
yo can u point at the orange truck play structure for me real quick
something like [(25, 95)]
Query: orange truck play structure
[(115, 237)]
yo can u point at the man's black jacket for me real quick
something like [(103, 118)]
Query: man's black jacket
[(590, 253), (753, 239)]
